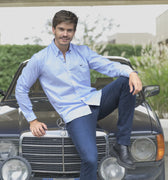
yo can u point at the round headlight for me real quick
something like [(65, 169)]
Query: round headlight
[(109, 169), (15, 168), (143, 149), (7, 149)]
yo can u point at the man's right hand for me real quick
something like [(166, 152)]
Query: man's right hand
[(38, 128)]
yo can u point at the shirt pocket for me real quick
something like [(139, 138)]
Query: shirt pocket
[(80, 71)]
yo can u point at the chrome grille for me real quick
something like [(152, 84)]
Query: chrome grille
[(55, 152)]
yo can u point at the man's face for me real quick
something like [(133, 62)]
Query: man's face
[(64, 33)]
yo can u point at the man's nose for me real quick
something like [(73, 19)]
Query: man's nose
[(65, 33)]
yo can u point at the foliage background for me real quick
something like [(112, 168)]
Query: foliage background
[(10, 58), (152, 66), (150, 62)]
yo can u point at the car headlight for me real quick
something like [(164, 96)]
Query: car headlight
[(110, 169), (143, 149), (15, 168), (7, 149)]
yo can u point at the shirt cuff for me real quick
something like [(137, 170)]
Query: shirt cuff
[(29, 116)]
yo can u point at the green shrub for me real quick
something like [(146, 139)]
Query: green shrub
[(153, 70), (10, 58), (122, 50)]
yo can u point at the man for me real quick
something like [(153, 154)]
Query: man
[(63, 70)]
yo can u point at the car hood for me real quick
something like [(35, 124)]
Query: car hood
[(13, 122), (141, 121), (9, 120)]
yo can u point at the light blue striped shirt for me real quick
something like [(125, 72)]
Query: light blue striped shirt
[(67, 82)]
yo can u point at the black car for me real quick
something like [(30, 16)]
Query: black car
[(23, 156)]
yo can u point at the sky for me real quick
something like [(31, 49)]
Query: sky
[(18, 23)]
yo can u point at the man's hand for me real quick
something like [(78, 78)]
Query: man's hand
[(135, 83), (38, 128)]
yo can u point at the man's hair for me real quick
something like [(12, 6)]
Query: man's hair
[(65, 16)]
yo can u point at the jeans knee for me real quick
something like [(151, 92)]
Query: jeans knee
[(124, 80), (124, 83)]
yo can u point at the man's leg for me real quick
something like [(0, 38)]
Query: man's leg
[(83, 133), (116, 94)]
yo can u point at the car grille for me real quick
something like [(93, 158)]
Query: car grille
[(55, 152)]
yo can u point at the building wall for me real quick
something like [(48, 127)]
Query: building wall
[(145, 38), (162, 27), (131, 38)]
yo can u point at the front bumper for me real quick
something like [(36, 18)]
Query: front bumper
[(149, 171)]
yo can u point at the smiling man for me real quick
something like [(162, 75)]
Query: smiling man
[(63, 70)]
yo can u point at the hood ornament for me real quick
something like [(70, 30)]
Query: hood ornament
[(60, 123)]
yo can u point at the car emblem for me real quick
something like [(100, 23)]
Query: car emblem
[(60, 123)]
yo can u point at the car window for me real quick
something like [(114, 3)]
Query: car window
[(36, 91)]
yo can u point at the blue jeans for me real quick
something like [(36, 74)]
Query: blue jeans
[(83, 129)]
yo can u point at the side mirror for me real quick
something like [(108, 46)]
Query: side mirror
[(151, 90), (2, 93)]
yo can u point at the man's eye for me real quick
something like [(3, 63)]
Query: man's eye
[(70, 30), (60, 29)]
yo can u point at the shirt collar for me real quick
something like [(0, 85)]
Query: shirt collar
[(70, 48), (56, 49)]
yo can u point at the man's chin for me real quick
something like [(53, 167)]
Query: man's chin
[(64, 43)]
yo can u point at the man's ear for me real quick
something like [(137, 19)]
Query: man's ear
[(53, 30)]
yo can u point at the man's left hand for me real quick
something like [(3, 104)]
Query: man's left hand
[(135, 83)]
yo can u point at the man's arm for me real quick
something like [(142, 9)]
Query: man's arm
[(114, 69), (104, 65), (28, 77)]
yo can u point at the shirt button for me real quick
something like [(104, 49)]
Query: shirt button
[(83, 99)]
